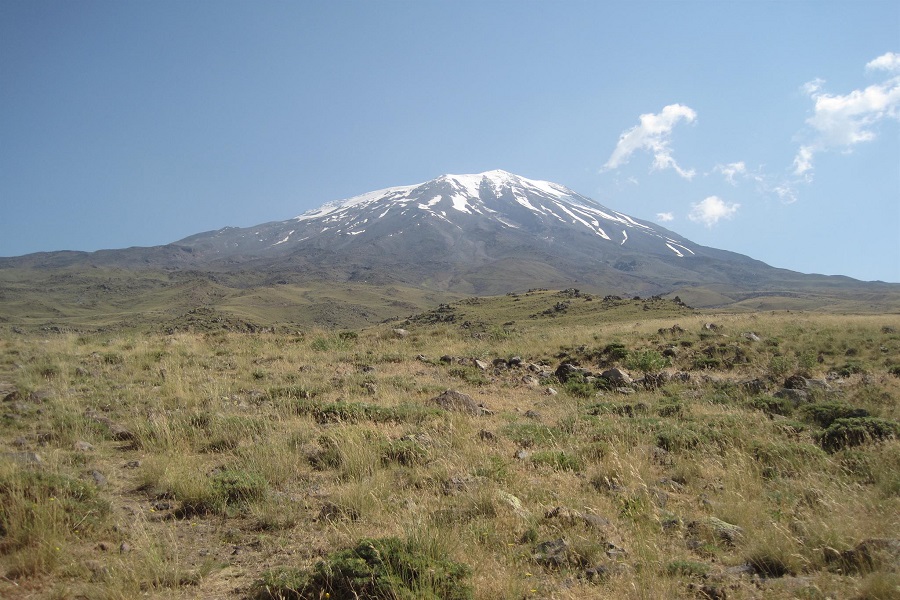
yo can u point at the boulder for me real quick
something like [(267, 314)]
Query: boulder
[(458, 402)]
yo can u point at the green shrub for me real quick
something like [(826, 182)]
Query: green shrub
[(234, 487), (770, 405), (844, 433), (687, 568), (824, 414), (380, 569), (646, 361), (558, 460)]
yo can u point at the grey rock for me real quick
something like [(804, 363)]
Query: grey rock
[(25, 458), (99, 479), (82, 446), (552, 553), (400, 333), (8, 392), (617, 375), (458, 402), (480, 364), (797, 397)]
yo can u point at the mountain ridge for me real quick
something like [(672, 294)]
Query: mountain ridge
[(485, 233)]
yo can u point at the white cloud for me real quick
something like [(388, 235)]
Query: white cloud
[(731, 170), (653, 134), (711, 210), (889, 61), (665, 217), (842, 121)]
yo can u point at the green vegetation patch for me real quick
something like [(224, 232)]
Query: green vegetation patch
[(381, 569), (844, 433), (355, 412)]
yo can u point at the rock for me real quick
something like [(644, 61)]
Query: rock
[(25, 458), (117, 431), (755, 386), (513, 503), (8, 392), (795, 382), (447, 359), (522, 454), (534, 415), (124, 548), (82, 446), (480, 364), (458, 402), (749, 335), (566, 371), (421, 358), (515, 361), (708, 591), (738, 570), (552, 553), (617, 375), (550, 391), (531, 381), (726, 531), (132, 464), (573, 517), (868, 555), (400, 333), (797, 397), (625, 390), (486, 435), (711, 327), (99, 479)]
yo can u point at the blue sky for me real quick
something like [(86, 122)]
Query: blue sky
[(766, 128)]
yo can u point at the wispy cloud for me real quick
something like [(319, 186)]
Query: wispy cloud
[(711, 210), (843, 121), (665, 217), (731, 170), (653, 134)]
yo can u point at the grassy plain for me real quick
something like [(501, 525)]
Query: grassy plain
[(211, 462)]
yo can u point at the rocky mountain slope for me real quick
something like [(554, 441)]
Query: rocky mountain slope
[(487, 233)]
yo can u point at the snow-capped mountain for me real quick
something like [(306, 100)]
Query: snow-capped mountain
[(453, 207), (487, 233)]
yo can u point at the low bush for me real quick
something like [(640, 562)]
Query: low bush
[(844, 433), (380, 569)]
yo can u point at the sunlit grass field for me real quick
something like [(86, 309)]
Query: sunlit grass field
[(747, 455)]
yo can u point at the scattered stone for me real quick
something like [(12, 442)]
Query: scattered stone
[(480, 364), (458, 402), (711, 327), (552, 553), (132, 464), (118, 432), (531, 414), (797, 397), (25, 458), (486, 435), (99, 479), (625, 390), (749, 335), (371, 388), (447, 359), (868, 555), (573, 517), (531, 381), (124, 548), (515, 361), (8, 392), (421, 358), (400, 333), (726, 531), (617, 375), (514, 503), (755, 386), (82, 446), (738, 570), (522, 454), (550, 391), (708, 591), (566, 371)]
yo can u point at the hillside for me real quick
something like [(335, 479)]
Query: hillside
[(593, 447)]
